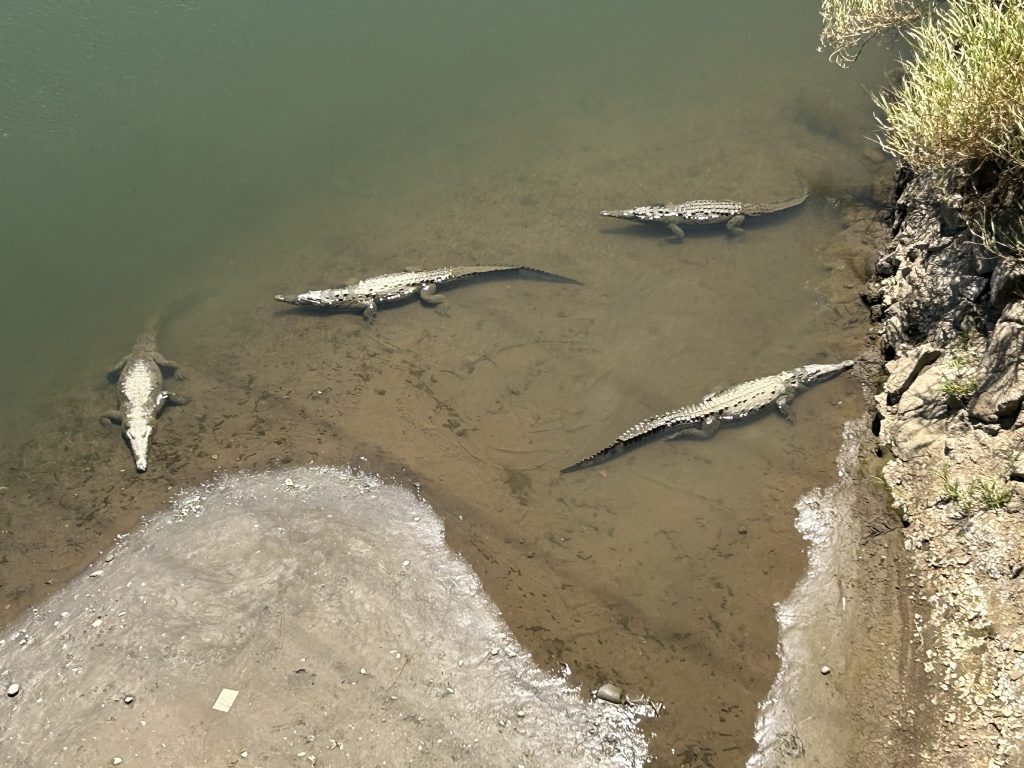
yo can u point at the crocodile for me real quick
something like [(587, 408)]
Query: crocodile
[(140, 393), (367, 295), (702, 213), (733, 404)]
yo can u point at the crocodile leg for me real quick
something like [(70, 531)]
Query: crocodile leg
[(732, 226), (174, 399), (429, 295), (111, 418), (370, 310), (709, 426), (113, 372), (785, 408), (704, 428), (170, 365), (676, 230)]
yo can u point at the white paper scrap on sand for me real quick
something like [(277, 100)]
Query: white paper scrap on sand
[(225, 700)]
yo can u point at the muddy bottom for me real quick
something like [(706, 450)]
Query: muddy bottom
[(658, 571)]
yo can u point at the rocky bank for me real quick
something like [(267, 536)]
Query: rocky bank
[(948, 303)]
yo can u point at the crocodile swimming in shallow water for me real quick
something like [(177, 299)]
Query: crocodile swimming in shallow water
[(729, 405), (366, 295), (702, 213), (140, 393)]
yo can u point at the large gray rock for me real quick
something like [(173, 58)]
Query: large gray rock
[(903, 371), (1001, 389)]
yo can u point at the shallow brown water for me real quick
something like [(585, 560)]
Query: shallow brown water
[(659, 570)]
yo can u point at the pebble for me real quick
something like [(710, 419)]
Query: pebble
[(244, 753), (109, 558), (610, 692), (117, 761), (12, 689), (825, 670), (128, 699), (96, 574)]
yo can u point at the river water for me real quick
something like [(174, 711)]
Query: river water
[(225, 152)]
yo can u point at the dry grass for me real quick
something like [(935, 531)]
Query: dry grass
[(962, 97), (849, 24)]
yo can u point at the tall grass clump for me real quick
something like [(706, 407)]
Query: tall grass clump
[(962, 96), (849, 24)]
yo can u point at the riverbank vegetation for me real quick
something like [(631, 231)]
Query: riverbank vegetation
[(961, 95)]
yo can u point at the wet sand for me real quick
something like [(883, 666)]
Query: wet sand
[(306, 615)]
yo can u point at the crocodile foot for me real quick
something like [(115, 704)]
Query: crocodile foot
[(429, 294), (111, 418), (732, 226)]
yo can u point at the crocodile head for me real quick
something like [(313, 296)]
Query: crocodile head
[(337, 298), (812, 374), (641, 213), (650, 212), (630, 214), (138, 435)]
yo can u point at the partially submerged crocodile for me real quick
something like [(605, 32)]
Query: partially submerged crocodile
[(732, 404), (140, 393), (702, 213), (366, 295)]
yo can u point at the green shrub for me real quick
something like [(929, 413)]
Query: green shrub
[(962, 97)]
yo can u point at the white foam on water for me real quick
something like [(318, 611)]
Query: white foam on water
[(793, 721), (331, 603)]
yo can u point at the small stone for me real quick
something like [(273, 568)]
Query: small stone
[(128, 699), (12, 689), (609, 692), (244, 753), (826, 670), (742, 531), (117, 761), (97, 623), (520, 713), (96, 574), (109, 558), (289, 482), (362, 670)]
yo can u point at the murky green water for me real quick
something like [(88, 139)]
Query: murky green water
[(236, 150)]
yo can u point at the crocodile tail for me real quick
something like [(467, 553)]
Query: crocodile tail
[(157, 321), (626, 442), (801, 198), (551, 276), (605, 454), (482, 269), (782, 205)]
